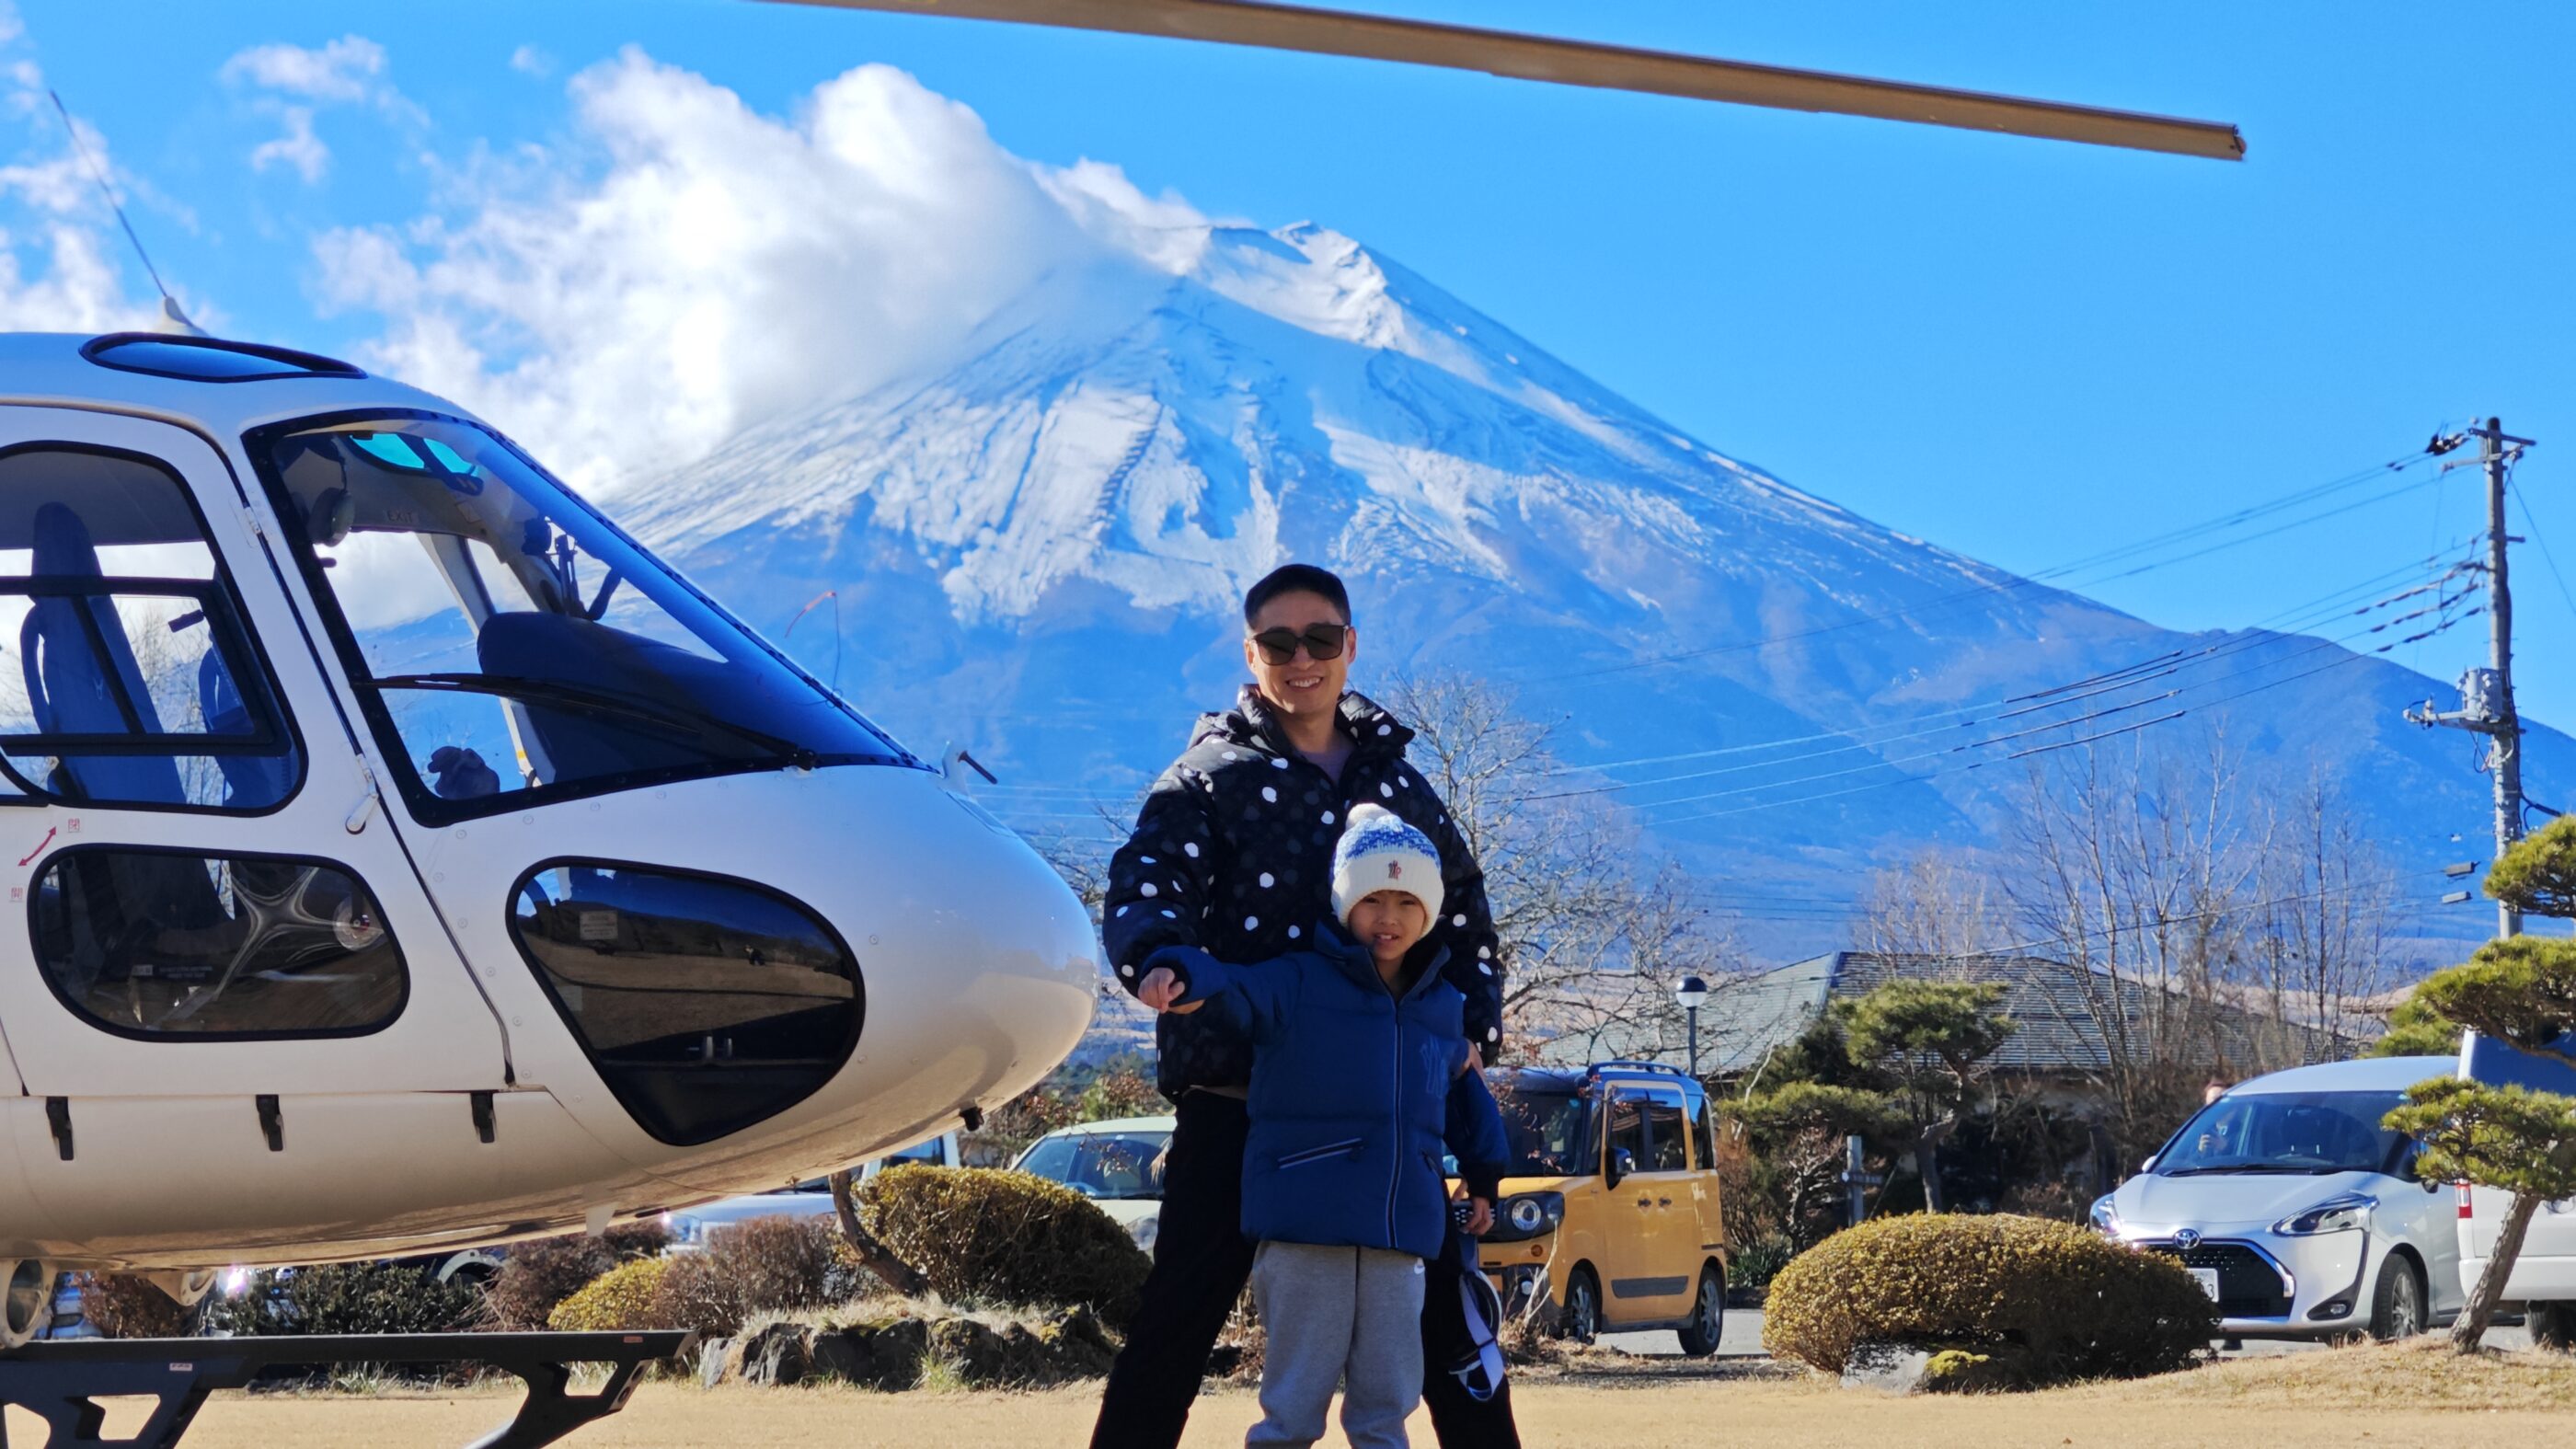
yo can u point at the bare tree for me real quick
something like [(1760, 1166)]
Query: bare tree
[(1939, 903), (1594, 932)]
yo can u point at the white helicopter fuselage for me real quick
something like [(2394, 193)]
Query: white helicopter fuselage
[(305, 1000)]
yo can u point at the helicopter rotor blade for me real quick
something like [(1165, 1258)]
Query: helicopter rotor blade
[(1584, 63)]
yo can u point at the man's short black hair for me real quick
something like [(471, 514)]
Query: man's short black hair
[(1296, 578)]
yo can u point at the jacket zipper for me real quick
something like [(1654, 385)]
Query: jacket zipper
[(1395, 1063)]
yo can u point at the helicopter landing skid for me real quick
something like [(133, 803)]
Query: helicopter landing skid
[(60, 1380)]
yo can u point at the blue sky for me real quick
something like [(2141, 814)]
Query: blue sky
[(2022, 350)]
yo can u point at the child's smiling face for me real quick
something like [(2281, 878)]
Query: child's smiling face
[(1388, 923)]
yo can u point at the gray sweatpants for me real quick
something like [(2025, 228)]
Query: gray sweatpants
[(1346, 1317)]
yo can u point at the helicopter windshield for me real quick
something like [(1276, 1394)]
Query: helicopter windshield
[(509, 645)]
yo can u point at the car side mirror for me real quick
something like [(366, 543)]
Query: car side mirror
[(2147, 1166), (1622, 1163)]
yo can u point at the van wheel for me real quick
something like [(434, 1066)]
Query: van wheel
[(1708, 1316), (2552, 1325), (26, 1301), (1582, 1305), (2397, 1307)]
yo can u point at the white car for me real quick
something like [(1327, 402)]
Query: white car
[(689, 1226), (2544, 1273), (2297, 1211), (1117, 1164)]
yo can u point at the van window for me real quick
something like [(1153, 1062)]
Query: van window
[(135, 681), (1703, 1136), (178, 946), (1627, 1128), (1665, 1149)]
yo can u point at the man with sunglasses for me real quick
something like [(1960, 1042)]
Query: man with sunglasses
[(1232, 853)]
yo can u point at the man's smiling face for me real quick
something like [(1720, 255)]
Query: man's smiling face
[(1304, 685)]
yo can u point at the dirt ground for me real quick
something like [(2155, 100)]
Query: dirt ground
[(2404, 1396)]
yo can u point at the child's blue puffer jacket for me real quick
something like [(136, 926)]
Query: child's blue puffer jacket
[(1354, 1095)]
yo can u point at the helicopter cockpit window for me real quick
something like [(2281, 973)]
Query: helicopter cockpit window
[(707, 1004), (134, 682), (179, 946), (511, 646)]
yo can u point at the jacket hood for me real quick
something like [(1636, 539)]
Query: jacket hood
[(1253, 725), (2155, 1206)]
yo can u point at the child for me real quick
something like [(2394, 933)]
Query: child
[(1359, 1074)]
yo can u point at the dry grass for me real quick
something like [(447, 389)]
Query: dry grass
[(2410, 1395)]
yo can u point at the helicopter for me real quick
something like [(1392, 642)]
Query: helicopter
[(409, 860)]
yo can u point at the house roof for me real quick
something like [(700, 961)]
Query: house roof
[(2065, 1012)]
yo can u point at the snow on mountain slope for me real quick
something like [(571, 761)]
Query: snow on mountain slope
[(1036, 549)]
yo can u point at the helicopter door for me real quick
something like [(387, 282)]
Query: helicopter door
[(219, 940)]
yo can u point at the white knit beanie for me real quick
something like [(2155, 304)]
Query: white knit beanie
[(1379, 852)]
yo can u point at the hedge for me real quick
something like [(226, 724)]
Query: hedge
[(2030, 1301), (1005, 1237)]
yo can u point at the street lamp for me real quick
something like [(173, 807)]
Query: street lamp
[(1690, 994)]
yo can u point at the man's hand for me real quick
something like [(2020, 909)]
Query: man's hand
[(1160, 989), (1481, 1221)]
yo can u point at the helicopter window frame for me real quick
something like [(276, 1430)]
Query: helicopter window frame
[(254, 676), (426, 806), (35, 938), (573, 1026)]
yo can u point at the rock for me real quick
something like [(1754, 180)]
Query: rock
[(980, 1356), (885, 1355), (1888, 1367), (711, 1361), (1077, 1346), (781, 1354)]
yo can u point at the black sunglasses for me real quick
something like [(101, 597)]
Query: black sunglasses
[(1322, 641)]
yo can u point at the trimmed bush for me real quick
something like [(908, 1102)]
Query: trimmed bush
[(2048, 1301), (627, 1296), (782, 1263), (339, 1298), (537, 1275), (120, 1305), (1005, 1237)]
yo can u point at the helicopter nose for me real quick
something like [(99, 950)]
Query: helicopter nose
[(978, 969)]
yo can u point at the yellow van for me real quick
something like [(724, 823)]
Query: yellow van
[(1611, 1208)]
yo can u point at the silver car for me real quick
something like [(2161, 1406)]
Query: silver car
[(2297, 1211)]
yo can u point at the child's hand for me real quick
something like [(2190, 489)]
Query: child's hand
[(1481, 1221), (1160, 988)]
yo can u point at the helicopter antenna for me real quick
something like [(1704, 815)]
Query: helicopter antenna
[(177, 319)]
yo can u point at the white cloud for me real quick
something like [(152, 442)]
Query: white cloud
[(349, 71), (692, 266), (61, 257), (529, 60), (297, 148)]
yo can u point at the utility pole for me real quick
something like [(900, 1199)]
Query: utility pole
[(2486, 695)]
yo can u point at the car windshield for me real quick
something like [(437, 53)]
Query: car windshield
[(1550, 1131), (1101, 1164), (2286, 1132), (512, 644)]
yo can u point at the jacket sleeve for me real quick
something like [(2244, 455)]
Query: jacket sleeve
[(1466, 927), (1159, 880), (1475, 1136), (1255, 999)]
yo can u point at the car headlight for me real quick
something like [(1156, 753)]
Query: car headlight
[(2335, 1215), (2106, 1216), (1527, 1215)]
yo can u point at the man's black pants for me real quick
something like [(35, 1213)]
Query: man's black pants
[(1201, 1261)]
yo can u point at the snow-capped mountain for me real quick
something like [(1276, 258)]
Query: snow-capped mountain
[(1035, 549)]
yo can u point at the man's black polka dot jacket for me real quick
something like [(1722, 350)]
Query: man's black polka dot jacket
[(1233, 853)]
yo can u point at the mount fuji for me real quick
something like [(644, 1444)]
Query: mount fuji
[(1034, 545)]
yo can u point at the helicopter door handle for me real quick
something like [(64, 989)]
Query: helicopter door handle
[(365, 809)]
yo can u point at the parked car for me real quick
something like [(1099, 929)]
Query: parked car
[(1611, 1208), (2297, 1211), (813, 1199), (1117, 1164), (2543, 1279)]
